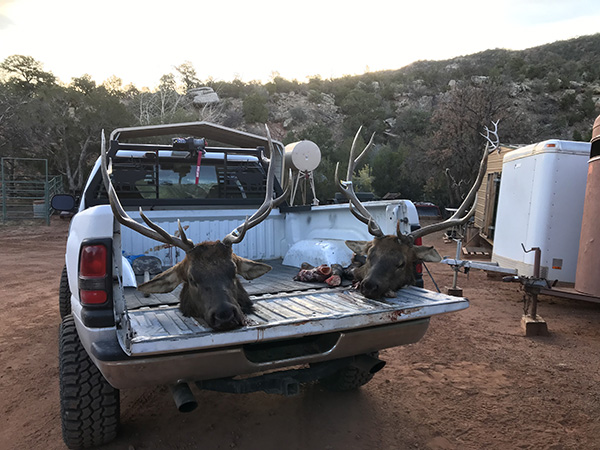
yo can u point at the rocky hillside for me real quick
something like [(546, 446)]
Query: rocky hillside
[(427, 118)]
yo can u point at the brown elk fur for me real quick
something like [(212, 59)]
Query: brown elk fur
[(389, 265), (211, 288)]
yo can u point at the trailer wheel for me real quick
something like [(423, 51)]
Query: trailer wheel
[(89, 405), (64, 295), (348, 378)]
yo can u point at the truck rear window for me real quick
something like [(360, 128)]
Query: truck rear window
[(177, 180)]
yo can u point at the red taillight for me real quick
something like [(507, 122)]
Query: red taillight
[(92, 297), (93, 261), (419, 266), (93, 271)]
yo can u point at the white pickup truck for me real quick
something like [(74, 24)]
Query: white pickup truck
[(115, 337)]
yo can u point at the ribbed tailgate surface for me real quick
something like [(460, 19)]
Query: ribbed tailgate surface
[(164, 329)]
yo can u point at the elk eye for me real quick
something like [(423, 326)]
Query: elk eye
[(400, 265)]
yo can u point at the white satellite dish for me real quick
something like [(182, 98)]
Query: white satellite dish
[(304, 156)]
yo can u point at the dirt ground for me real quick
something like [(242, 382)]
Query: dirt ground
[(473, 382)]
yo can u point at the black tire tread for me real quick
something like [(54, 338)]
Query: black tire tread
[(89, 405), (64, 295)]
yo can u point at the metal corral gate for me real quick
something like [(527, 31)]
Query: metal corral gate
[(27, 196)]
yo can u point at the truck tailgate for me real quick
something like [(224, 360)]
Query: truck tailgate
[(163, 329)]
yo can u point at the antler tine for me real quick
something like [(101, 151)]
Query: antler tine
[(353, 162), (494, 143), (155, 232), (268, 204), (356, 207), (164, 233), (184, 238), (373, 228), (346, 187), (257, 218), (467, 207), (279, 200)]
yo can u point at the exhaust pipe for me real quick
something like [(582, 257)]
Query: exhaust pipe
[(368, 363), (184, 398)]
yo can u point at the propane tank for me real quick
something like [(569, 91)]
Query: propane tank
[(303, 156), (587, 280)]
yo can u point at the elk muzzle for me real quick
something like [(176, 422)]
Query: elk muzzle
[(225, 316)]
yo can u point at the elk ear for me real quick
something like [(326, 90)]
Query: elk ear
[(250, 269), (359, 247), (163, 282), (427, 254)]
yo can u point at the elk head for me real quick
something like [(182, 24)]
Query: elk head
[(209, 272), (390, 259)]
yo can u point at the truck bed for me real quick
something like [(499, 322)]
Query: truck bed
[(279, 280), (283, 309)]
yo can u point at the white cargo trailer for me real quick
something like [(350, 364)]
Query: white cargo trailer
[(541, 205)]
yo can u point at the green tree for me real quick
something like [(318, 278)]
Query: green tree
[(188, 75), (166, 104), (279, 85), (26, 72), (78, 118), (457, 142), (255, 108), (83, 84), (588, 107), (392, 174), (26, 82), (114, 86), (363, 106), (12, 103), (567, 101), (364, 179), (234, 89), (61, 124)]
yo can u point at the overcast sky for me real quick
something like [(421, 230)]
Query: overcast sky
[(141, 40)]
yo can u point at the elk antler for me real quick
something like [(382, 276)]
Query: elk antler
[(347, 188), (465, 210), (269, 203), (154, 232), (492, 144)]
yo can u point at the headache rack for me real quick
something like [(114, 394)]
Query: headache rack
[(186, 173), (150, 149)]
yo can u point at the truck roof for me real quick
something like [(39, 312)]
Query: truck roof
[(209, 155), (206, 130)]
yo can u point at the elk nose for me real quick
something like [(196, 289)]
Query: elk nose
[(370, 289), (225, 319)]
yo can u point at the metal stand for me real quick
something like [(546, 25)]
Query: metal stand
[(455, 290), (305, 176), (532, 324)]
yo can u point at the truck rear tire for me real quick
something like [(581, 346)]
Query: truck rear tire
[(64, 295), (89, 405), (348, 378)]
